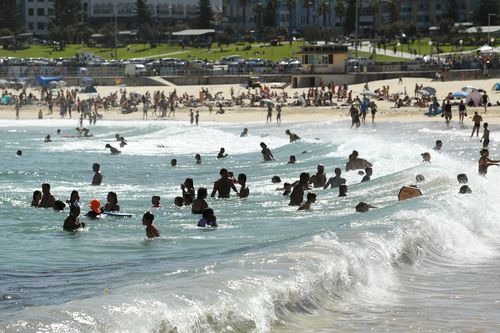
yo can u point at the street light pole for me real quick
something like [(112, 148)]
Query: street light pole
[(115, 9), (489, 18), (356, 29)]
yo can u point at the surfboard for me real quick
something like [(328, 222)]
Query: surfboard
[(408, 192), (117, 214)]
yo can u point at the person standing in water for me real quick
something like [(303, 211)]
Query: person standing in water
[(462, 112), (319, 179), (221, 153), (200, 204), (484, 162), (72, 222), (97, 179), (477, 119), (152, 230), (269, 117), (191, 116), (278, 114), (197, 157), (311, 198), (48, 199), (447, 112), (485, 139), (244, 133), (223, 185), (112, 149), (112, 203), (293, 137), (335, 181), (244, 190), (297, 195), (197, 117), (266, 152)]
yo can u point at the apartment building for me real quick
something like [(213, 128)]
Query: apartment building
[(36, 15)]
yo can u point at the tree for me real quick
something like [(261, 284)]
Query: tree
[(10, 16), (243, 5), (324, 11), (484, 8), (143, 21), (375, 4), (452, 11), (350, 14), (259, 9), (66, 13), (290, 5), (394, 9), (270, 14), (206, 14), (340, 11), (309, 4)]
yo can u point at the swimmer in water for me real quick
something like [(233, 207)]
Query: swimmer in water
[(47, 138), (155, 201), (173, 162), (208, 219), (113, 150), (244, 133), (292, 159), (438, 146), (297, 195), (465, 189), (266, 152), (426, 157), (188, 192), (319, 179), (123, 143), (112, 204), (95, 209), (223, 185), (221, 154), (368, 175), (484, 162), (72, 222), (311, 198), (37, 197), (199, 204), (335, 181), (244, 190), (485, 139), (363, 207), (97, 179), (342, 190), (152, 230), (47, 197), (74, 199), (293, 137), (197, 158), (19, 153)]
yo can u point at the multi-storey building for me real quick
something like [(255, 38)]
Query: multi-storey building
[(37, 15)]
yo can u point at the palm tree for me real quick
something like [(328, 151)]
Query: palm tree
[(324, 11), (339, 12), (394, 9), (259, 9)]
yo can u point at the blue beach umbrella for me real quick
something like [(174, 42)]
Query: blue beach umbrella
[(460, 94)]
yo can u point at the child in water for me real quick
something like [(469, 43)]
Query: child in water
[(72, 222), (112, 204), (152, 231), (208, 219), (155, 201), (311, 198)]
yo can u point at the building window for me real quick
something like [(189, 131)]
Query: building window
[(41, 0), (40, 11), (40, 26), (31, 26), (438, 6), (50, 11), (31, 12)]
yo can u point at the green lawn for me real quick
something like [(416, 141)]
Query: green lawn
[(422, 46), (257, 50), (380, 57)]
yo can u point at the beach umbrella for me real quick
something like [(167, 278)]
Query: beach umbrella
[(430, 90), (469, 89), (423, 92), (369, 93), (485, 48), (475, 97), (460, 94), (496, 87), (89, 89)]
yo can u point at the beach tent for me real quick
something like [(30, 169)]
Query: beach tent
[(460, 94), (44, 80), (496, 87), (475, 97), (89, 90), (469, 89)]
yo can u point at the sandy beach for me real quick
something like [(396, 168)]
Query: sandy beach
[(236, 114)]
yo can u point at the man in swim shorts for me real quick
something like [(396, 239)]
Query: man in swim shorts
[(477, 119)]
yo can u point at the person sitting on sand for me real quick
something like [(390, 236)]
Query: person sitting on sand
[(155, 201), (72, 222), (292, 159), (311, 198), (335, 181), (223, 185), (97, 179), (244, 190), (244, 133), (199, 204), (95, 209), (368, 175), (208, 219), (48, 199), (113, 150), (152, 230), (438, 146), (426, 157), (112, 204), (266, 152), (297, 195), (221, 154), (484, 162), (363, 207), (319, 179), (355, 163), (293, 137), (37, 197)]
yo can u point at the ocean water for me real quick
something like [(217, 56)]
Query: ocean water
[(429, 264)]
